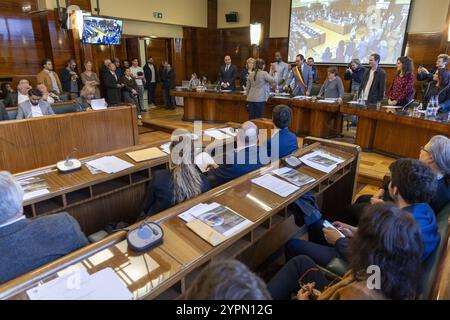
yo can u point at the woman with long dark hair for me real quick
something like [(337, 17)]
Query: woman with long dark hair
[(401, 91), (439, 88), (385, 263), (258, 89)]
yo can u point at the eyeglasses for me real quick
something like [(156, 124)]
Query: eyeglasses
[(425, 150)]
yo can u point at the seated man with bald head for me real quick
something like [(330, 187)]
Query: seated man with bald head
[(26, 244), (246, 158), (17, 97)]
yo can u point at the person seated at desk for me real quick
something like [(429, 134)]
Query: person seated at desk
[(34, 107), (194, 82), (182, 182), (227, 280), (246, 158), (3, 113), (412, 186), (436, 155), (401, 91), (373, 84), (50, 97), (399, 261), (439, 89), (83, 102), (5, 89), (227, 75), (333, 86), (285, 139), (26, 244), (17, 97)]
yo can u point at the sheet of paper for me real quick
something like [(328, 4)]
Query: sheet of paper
[(229, 131), (98, 104), (217, 134), (326, 101), (276, 185), (327, 224), (146, 154), (35, 194), (110, 164), (203, 160), (196, 211), (166, 147), (102, 285), (293, 176), (321, 161)]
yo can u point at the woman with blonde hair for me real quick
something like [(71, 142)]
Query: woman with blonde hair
[(89, 77), (181, 182), (83, 102), (249, 67)]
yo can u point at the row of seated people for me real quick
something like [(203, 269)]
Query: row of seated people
[(413, 184)]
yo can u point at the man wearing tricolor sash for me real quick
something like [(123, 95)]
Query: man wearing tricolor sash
[(302, 75)]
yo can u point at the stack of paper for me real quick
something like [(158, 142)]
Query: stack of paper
[(321, 161), (217, 134), (102, 285), (109, 164), (293, 176), (33, 187), (98, 104), (277, 186), (146, 154)]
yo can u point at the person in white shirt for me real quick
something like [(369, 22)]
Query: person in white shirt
[(50, 97), (281, 71), (138, 75), (373, 84), (15, 98), (34, 107)]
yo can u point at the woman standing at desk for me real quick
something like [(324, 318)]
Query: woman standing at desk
[(249, 66), (333, 86), (258, 89), (401, 91)]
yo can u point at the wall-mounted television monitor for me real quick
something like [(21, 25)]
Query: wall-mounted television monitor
[(101, 30), (335, 31)]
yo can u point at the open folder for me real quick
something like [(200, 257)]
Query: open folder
[(146, 154)]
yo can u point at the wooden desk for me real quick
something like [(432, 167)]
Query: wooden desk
[(392, 133), (33, 143), (309, 118), (168, 270)]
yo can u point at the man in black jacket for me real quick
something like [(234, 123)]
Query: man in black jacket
[(373, 84), (424, 75), (152, 78), (70, 81), (112, 85), (228, 74), (168, 83)]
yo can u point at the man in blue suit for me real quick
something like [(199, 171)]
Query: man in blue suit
[(302, 74), (246, 158), (285, 139)]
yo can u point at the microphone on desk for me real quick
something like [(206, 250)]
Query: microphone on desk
[(69, 164)]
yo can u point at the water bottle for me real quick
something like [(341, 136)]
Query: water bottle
[(430, 107), (436, 106)]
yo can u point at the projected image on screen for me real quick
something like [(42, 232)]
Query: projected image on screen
[(101, 31), (335, 31)]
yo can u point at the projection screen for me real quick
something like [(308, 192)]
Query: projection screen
[(335, 31)]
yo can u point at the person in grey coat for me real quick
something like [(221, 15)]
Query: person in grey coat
[(27, 244), (35, 107), (258, 89), (302, 74)]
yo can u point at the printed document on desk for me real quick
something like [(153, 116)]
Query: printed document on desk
[(217, 134), (98, 104), (321, 161), (102, 285), (203, 160), (110, 164), (293, 176), (276, 185)]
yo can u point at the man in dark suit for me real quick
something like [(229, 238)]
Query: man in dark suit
[(3, 112), (246, 158), (112, 85), (373, 84), (21, 95), (152, 78), (228, 74), (424, 75)]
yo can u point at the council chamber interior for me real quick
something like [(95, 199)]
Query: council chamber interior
[(224, 150)]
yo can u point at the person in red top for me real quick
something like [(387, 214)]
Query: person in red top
[(401, 91)]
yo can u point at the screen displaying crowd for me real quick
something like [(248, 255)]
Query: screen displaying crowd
[(339, 30), (102, 31)]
